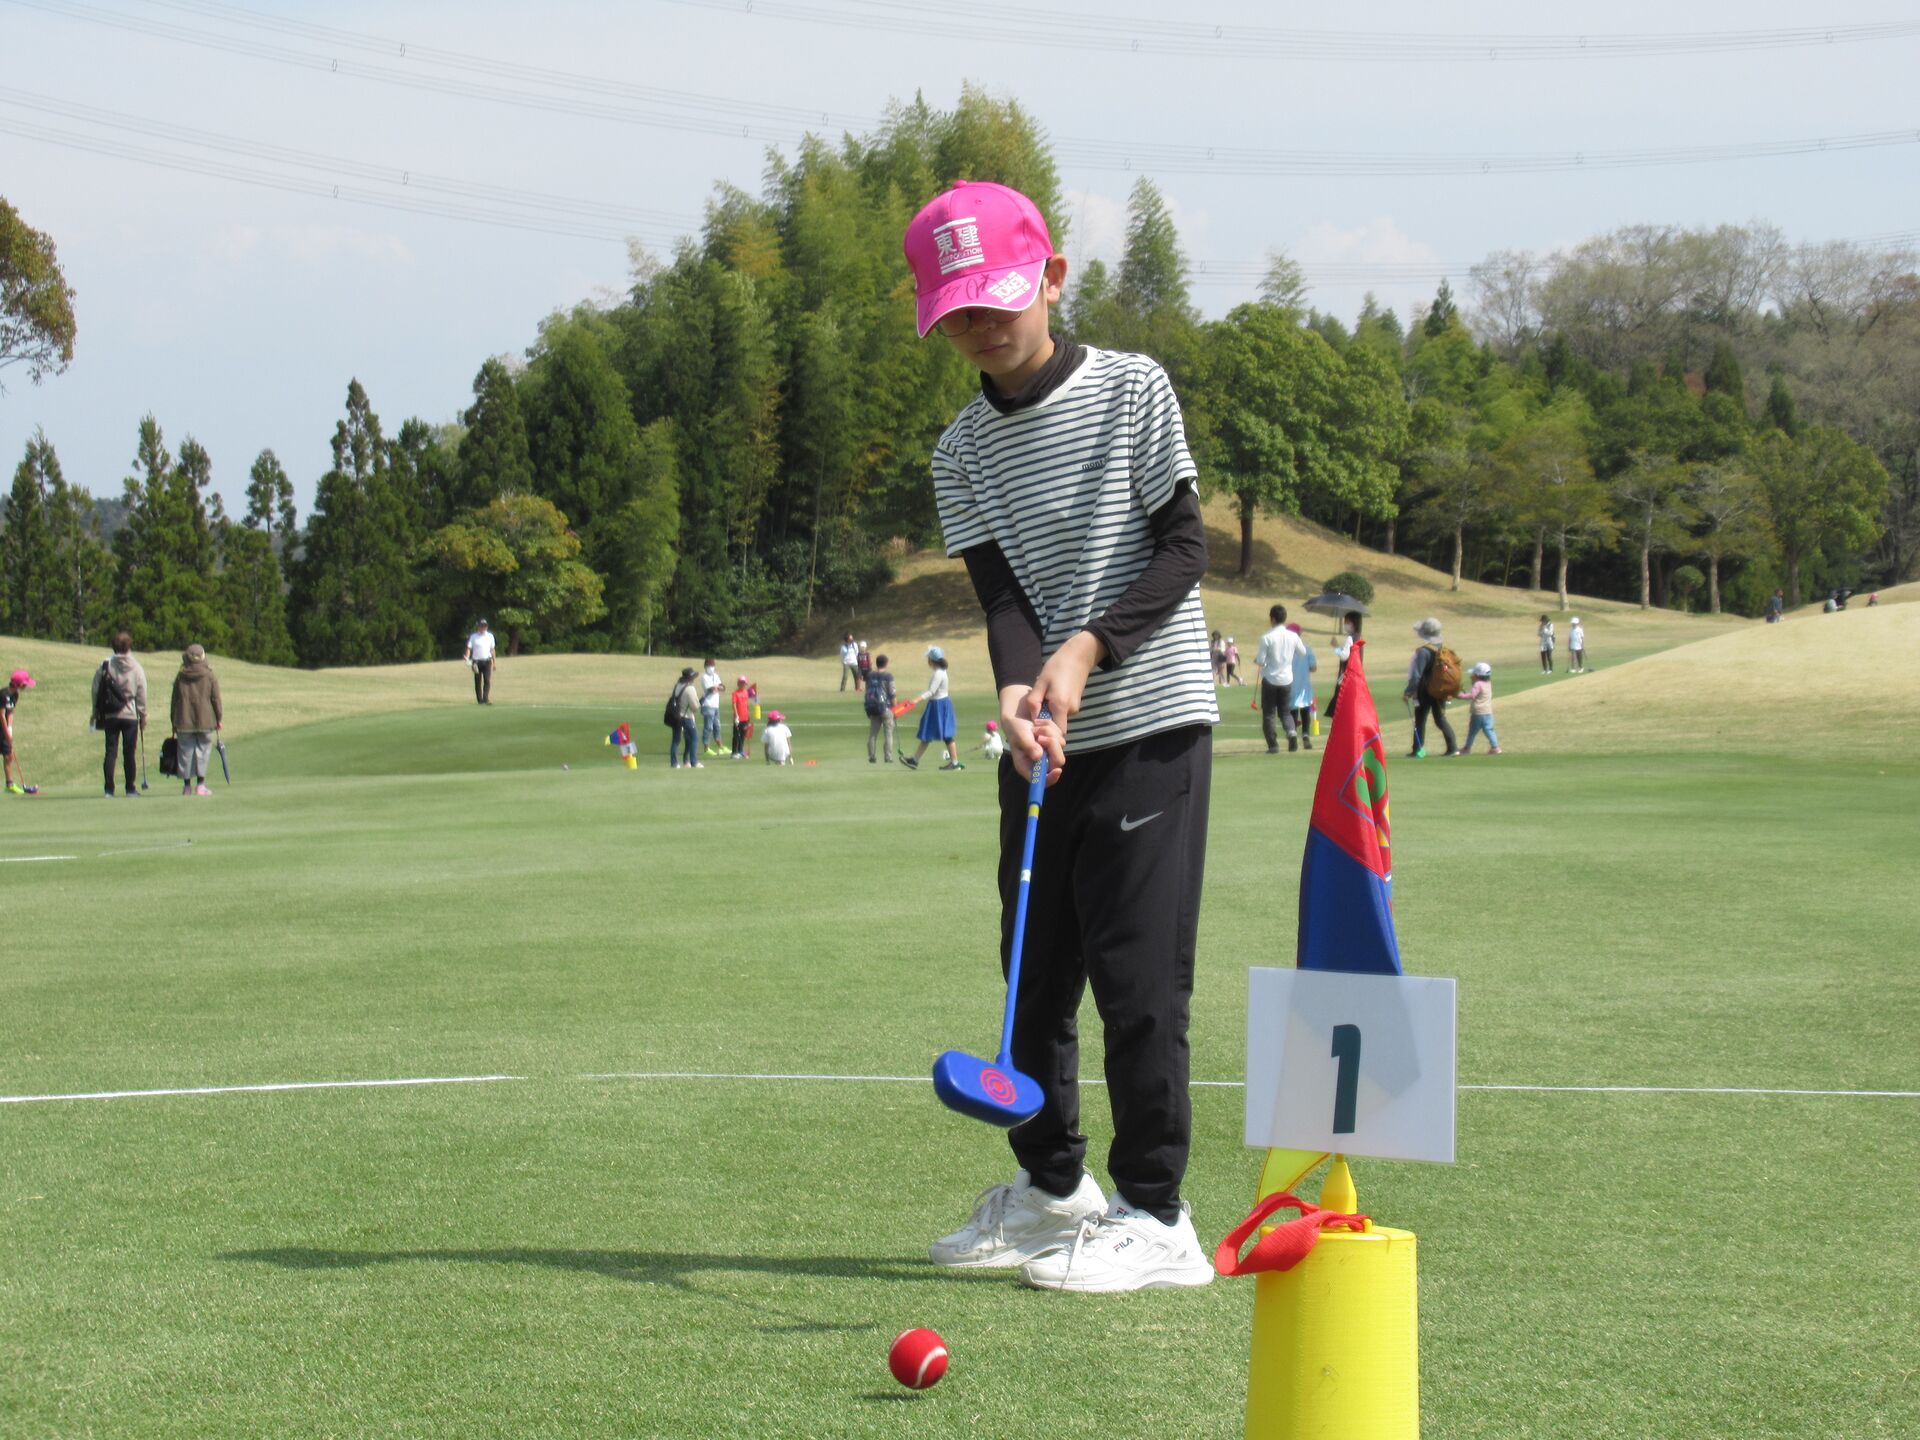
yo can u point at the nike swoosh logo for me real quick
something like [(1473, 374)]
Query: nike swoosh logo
[(1126, 824)]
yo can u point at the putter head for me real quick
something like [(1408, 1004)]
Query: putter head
[(985, 1089)]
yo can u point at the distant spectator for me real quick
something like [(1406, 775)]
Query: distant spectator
[(991, 744), (1776, 605), (686, 708), (480, 648), (1873, 599), (849, 660), (711, 689), (1546, 644), (1301, 699), (1480, 694), (777, 746), (864, 664), (742, 698), (1234, 677), (1832, 603), (1217, 653), (879, 707), (1576, 647), (10, 697), (1425, 702), (1343, 650), (196, 717), (936, 720), (120, 706), (1280, 650)]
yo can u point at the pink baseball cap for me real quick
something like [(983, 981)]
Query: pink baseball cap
[(20, 680), (976, 244)]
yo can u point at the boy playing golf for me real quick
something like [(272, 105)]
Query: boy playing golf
[(1067, 488)]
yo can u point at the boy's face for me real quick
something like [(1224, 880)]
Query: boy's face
[(1009, 348)]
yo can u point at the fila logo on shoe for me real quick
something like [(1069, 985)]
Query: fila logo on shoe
[(1128, 825)]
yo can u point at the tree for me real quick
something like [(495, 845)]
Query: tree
[(270, 500), (1288, 419), (638, 543), (1153, 313), (36, 304), (28, 561), (1284, 286), (494, 460), (1650, 498), (166, 549), (253, 596), (1779, 412), (1557, 494), (1730, 511), (1822, 490), (1442, 315), (516, 559), (356, 599)]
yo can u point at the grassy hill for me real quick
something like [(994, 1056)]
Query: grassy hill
[(931, 602)]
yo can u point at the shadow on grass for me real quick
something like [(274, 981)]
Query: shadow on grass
[(670, 1269)]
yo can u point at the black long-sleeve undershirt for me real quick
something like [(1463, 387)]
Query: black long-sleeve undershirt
[(1014, 641)]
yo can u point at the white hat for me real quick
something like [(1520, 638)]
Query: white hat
[(1575, 620), (1482, 669)]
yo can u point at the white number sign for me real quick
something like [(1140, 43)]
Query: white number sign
[(1360, 1064)]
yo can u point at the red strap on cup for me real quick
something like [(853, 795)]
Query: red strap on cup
[(1287, 1244)]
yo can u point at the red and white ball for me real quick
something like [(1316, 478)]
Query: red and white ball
[(918, 1359)]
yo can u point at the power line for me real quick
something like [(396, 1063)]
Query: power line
[(535, 200), (1093, 154), (1144, 35)]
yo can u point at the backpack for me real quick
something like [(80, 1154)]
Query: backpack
[(110, 696), (1443, 676), (876, 701), (170, 757), (672, 717)]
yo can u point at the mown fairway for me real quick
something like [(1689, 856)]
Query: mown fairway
[(428, 894)]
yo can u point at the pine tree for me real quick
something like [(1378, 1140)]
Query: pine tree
[(166, 550), (270, 501), (493, 453), (1443, 314), (28, 560), (356, 599), (1779, 411), (1723, 375)]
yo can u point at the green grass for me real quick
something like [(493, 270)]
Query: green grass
[(428, 893)]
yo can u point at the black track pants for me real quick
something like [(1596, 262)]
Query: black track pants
[(1115, 903), (482, 681)]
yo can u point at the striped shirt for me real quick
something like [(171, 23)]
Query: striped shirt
[(1065, 490)]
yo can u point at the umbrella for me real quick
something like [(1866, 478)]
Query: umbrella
[(221, 746), (1335, 604)]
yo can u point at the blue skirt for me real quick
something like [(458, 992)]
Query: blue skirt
[(936, 721)]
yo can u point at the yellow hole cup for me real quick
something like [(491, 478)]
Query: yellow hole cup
[(1336, 1345)]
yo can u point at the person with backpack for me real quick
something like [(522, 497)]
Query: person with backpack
[(879, 706), (120, 706), (196, 718), (682, 717), (1433, 678)]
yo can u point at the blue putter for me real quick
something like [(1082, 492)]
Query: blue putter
[(994, 1091)]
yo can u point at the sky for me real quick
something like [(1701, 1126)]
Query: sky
[(236, 305)]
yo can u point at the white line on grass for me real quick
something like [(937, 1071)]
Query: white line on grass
[(1241, 1084), (32, 859), (261, 1089)]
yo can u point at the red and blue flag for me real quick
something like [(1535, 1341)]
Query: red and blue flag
[(1346, 879)]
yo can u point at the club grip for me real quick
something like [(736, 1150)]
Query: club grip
[(1038, 787)]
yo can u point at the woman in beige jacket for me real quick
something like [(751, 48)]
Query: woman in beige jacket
[(196, 716)]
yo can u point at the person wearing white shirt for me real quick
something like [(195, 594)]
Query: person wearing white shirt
[(1576, 645), (710, 692), (480, 646), (1279, 648), (849, 660), (777, 745)]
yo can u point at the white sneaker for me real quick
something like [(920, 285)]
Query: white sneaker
[(1011, 1224), (1124, 1249)]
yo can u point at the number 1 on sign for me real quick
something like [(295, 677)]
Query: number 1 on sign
[(1346, 1085)]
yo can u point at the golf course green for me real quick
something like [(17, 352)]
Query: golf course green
[(603, 1231)]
